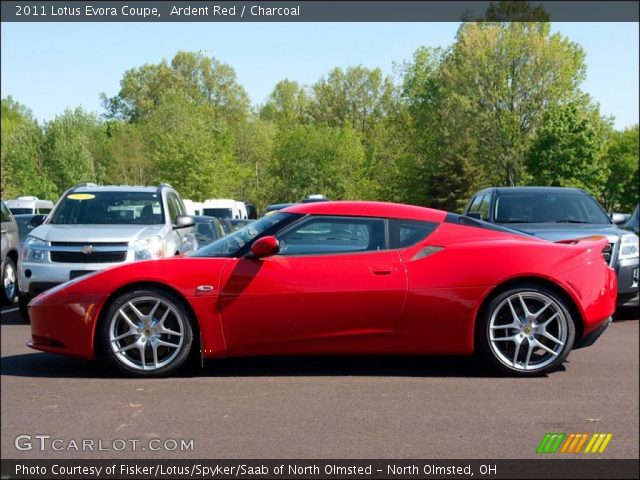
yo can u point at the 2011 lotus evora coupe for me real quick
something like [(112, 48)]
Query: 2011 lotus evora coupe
[(341, 278)]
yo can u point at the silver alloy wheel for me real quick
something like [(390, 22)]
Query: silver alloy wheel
[(146, 333), (528, 330), (9, 281)]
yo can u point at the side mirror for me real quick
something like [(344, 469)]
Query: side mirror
[(183, 221), (265, 247), (618, 218), (474, 215), (37, 220)]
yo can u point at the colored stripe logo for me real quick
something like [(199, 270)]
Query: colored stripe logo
[(558, 442)]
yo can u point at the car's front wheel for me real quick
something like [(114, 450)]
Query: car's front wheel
[(147, 333), (527, 330)]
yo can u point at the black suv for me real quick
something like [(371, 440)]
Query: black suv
[(557, 213)]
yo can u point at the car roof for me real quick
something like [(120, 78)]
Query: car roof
[(115, 188), (368, 209), (204, 218), (532, 190)]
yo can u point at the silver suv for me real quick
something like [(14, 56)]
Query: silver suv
[(93, 227)]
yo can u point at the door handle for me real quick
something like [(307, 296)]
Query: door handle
[(382, 269)]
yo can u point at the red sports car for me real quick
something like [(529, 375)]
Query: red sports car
[(341, 278)]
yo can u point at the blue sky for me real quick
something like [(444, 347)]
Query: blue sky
[(52, 66)]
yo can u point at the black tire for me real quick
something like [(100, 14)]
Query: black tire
[(23, 302), (8, 295), (520, 350), (140, 351)]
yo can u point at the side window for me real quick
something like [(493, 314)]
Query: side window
[(475, 204), (404, 233), (173, 207), (44, 211), (182, 210), (322, 235), (484, 207)]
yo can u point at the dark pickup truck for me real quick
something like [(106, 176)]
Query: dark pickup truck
[(557, 213)]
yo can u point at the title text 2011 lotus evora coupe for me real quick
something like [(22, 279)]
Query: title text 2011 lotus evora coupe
[(341, 278)]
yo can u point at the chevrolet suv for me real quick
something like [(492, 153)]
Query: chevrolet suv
[(94, 227), (558, 213)]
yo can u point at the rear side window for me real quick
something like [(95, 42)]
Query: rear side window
[(475, 204), (325, 235), (405, 233), (484, 207)]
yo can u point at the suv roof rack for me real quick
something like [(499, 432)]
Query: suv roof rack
[(85, 184), (166, 185)]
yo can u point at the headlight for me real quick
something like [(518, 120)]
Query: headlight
[(628, 247), (34, 250), (148, 248)]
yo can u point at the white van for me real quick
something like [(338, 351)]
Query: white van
[(30, 205), (224, 208), (193, 208)]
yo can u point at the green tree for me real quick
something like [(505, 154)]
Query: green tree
[(73, 148), (203, 80), (621, 187), (288, 104), (316, 159), (568, 149), (192, 149), (499, 79)]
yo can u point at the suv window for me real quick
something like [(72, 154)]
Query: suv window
[(475, 204), (109, 208), (323, 234), (483, 208), (404, 233), (176, 207)]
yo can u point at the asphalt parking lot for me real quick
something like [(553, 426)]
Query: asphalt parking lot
[(332, 407)]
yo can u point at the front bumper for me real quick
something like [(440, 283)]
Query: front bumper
[(627, 271), (63, 324), (35, 278)]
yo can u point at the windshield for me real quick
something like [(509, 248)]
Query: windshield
[(548, 207), (230, 244), (21, 211), (109, 208), (218, 212)]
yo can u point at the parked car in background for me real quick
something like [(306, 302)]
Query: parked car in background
[(556, 213), (314, 198), (252, 211), (193, 208), (238, 224), (224, 208), (24, 225), (632, 223), (342, 278), (93, 227), (9, 253), (274, 207), (207, 229), (31, 205), (227, 227)]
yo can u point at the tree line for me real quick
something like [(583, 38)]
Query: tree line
[(501, 106)]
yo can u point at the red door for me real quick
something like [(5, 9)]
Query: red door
[(294, 301)]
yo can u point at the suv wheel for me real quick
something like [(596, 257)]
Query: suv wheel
[(526, 331), (9, 282), (147, 333)]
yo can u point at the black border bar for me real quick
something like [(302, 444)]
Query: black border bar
[(307, 11), (289, 469)]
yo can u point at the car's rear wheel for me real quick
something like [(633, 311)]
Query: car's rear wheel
[(147, 333), (527, 330), (9, 282)]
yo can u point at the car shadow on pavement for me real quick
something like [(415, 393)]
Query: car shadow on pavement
[(44, 365), (626, 313)]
